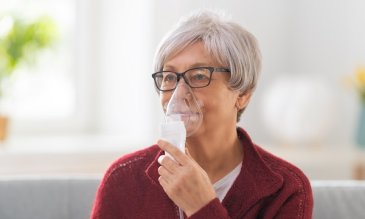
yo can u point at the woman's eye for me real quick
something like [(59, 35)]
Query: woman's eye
[(199, 77), (170, 77)]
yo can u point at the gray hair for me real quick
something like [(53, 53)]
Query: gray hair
[(229, 44)]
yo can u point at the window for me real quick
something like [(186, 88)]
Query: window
[(47, 95), (83, 88)]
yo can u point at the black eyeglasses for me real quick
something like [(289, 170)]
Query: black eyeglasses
[(196, 77)]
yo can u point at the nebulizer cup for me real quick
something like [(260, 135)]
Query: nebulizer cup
[(183, 116)]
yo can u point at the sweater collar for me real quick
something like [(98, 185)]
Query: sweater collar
[(255, 181), (152, 169)]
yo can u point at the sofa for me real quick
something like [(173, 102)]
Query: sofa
[(56, 197), (71, 197)]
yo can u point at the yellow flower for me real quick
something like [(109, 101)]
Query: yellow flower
[(360, 76), (357, 81)]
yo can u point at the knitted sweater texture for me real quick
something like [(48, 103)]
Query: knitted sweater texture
[(267, 187)]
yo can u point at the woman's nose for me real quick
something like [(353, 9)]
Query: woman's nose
[(181, 87)]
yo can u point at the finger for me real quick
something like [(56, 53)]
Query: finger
[(160, 159), (168, 163), (165, 174), (163, 182), (179, 156)]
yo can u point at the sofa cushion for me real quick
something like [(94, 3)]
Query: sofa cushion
[(339, 199), (47, 198)]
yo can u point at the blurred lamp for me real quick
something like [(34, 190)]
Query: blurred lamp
[(299, 110)]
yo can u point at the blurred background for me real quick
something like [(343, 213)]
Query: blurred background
[(83, 94)]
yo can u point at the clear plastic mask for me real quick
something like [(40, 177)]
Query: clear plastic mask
[(184, 106)]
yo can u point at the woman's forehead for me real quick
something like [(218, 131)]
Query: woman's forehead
[(195, 55)]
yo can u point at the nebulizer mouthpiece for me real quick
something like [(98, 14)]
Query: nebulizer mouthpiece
[(183, 116)]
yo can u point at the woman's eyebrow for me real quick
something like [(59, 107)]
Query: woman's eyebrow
[(195, 65), (200, 64), (168, 67)]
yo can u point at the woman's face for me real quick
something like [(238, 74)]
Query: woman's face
[(219, 103)]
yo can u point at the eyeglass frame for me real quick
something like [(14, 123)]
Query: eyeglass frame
[(180, 75)]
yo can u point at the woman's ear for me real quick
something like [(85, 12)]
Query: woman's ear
[(243, 99)]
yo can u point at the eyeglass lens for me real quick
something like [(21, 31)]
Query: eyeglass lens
[(199, 77)]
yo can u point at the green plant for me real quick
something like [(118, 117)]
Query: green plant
[(21, 41)]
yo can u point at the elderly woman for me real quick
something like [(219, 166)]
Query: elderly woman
[(221, 173)]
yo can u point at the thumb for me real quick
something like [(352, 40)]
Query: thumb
[(187, 152)]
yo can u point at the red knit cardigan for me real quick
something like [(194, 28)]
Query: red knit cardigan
[(267, 187)]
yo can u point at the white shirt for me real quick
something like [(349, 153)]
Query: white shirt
[(223, 185)]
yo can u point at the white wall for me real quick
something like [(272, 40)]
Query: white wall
[(327, 39), (321, 38), (126, 104)]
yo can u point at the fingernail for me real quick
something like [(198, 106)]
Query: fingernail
[(159, 160)]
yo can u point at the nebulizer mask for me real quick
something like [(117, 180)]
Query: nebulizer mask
[(183, 116)]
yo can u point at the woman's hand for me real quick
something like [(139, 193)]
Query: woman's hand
[(183, 180)]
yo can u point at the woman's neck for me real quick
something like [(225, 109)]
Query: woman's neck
[(217, 152)]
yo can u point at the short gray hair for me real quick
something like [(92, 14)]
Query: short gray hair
[(229, 44)]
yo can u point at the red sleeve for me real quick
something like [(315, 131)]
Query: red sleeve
[(108, 202), (104, 204), (298, 205), (214, 209)]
